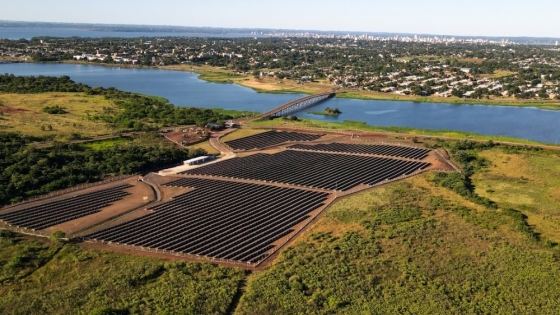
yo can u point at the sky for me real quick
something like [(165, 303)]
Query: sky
[(535, 18)]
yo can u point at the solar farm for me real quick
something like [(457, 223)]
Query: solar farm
[(380, 149), (270, 138), (238, 210), (216, 220), (313, 169), (52, 213)]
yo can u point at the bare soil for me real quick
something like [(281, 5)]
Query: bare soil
[(140, 194)]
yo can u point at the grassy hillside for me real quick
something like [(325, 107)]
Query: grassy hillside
[(24, 113), (53, 279), (417, 248), (528, 182)]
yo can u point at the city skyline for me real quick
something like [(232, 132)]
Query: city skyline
[(496, 18)]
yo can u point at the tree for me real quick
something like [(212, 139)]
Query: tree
[(57, 237)]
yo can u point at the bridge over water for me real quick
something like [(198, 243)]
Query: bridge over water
[(296, 105)]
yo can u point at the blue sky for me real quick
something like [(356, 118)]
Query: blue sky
[(475, 17)]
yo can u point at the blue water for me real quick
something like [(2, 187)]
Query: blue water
[(185, 89), (29, 32), (179, 87)]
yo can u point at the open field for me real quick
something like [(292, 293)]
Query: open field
[(408, 248), (39, 278), (528, 182), (206, 146), (23, 113), (498, 74)]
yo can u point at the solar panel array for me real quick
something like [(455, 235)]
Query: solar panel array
[(219, 219), (270, 138), (313, 169), (374, 149), (49, 214)]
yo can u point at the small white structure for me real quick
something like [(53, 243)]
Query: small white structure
[(198, 160)]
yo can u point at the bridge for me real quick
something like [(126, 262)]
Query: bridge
[(296, 105)]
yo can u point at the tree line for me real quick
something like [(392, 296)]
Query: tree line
[(26, 170)]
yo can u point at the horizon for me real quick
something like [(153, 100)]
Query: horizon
[(338, 32), (498, 18)]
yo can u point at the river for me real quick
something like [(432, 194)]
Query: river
[(185, 89)]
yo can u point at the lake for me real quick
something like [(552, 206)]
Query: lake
[(30, 32), (185, 89)]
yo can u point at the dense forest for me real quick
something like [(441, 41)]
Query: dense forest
[(26, 170)]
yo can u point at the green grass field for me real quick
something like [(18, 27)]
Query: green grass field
[(23, 113), (528, 182), (105, 144), (206, 146)]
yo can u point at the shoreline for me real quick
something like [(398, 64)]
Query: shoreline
[(275, 86), (357, 126)]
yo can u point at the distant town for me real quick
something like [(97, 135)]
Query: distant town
[(401, 65)]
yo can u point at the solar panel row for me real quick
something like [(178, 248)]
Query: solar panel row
[(270, 138), (312, 169), (49, 214), (219, 219), (375, 149)]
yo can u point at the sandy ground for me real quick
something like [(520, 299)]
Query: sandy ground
[(140, 194)]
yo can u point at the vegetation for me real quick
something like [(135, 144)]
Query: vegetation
[(410, 248), (28, 171), (130, 111), (526, 182), (38, 278), (465, 153), (328, 112), (101, 145), (55, 110), (24, 113)]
